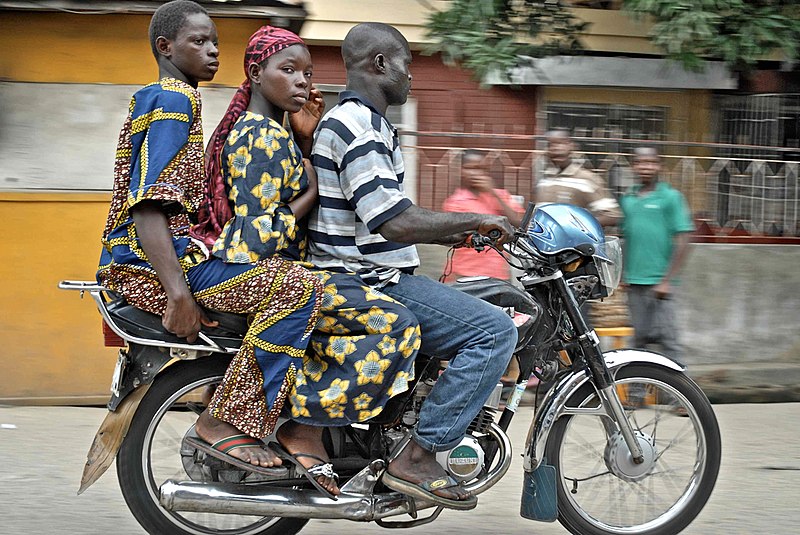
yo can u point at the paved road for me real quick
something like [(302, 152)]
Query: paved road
[(42, 450)]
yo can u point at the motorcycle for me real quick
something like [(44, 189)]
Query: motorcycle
[(622, 442)]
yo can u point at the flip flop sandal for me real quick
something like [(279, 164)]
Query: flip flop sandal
[(219, 450), (323, 468), (423, 491)]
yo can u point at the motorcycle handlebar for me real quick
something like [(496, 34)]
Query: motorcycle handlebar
[(478, 241), (494, 235)]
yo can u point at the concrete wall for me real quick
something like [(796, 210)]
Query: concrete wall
[(741, 303), (737, 303), (63, 136)]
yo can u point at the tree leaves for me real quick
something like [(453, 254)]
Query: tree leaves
[(739, 32), (492, 35), (498, 35)]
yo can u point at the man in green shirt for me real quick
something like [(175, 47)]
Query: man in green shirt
[(656, 227)]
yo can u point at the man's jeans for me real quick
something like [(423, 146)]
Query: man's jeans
[(477, 338)]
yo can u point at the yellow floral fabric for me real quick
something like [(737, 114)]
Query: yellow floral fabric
[(264, 172), (363, 350), (363, 346)]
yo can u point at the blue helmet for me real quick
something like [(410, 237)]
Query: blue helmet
[(560, 227)]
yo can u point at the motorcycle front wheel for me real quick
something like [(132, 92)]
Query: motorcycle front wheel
[(152, 453), (602, 492)]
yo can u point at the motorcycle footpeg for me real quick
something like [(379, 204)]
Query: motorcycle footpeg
[(539, 500)]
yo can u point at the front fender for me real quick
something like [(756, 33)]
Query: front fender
[(554, 403)]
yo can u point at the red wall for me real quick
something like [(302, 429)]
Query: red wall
[(449, 100)]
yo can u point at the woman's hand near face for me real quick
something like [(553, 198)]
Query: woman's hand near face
[(305, 121)]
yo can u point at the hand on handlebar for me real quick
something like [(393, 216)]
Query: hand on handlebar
[(496, 228)]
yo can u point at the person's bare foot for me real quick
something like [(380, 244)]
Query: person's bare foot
[(212, 430), (299, 438), (417, 465)]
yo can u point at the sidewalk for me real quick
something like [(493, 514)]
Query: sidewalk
[(758, 382), (44, 449)]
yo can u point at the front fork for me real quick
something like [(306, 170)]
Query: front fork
[(601, 376)]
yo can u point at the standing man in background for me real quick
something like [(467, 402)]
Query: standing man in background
[(656, 229), (567, 181)]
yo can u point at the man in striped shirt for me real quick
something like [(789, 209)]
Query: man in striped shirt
[(367, 225), (567, 181)]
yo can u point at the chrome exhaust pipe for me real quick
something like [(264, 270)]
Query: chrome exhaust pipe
[(232, 498), (356, 502)]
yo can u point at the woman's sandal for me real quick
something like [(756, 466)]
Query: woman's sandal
[(219, 450), (322, 469)]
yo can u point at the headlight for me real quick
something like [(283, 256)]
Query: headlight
[(608, 260)]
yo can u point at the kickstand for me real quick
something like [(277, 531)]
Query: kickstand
[(410, 523)]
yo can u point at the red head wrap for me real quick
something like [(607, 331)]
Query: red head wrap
[(215, 210)]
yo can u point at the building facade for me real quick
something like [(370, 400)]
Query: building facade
[(70, 68)]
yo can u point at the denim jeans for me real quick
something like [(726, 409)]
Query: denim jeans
[(477, 338)]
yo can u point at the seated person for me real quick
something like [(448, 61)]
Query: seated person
[(363, 353), (150, 258), (366, 224)]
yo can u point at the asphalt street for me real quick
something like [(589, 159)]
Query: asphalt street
[(42, 451)]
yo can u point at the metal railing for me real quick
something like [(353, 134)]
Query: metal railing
[(760, 197)]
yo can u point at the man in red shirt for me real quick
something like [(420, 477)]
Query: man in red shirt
[(477, 194)]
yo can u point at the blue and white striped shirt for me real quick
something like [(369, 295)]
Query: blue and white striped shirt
[(360, 178)]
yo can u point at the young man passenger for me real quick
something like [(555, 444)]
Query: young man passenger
[(151, 259), (366, 224)]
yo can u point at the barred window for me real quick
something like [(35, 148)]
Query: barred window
[(622, 121)]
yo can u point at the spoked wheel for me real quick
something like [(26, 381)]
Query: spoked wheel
[(601, 491), (153, 452)]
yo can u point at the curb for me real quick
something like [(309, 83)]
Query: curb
[(764, 382), (752, 382)]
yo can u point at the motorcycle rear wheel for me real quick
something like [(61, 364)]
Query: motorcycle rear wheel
[(151, 454), (600, 492)]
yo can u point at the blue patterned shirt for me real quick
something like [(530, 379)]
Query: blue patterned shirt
[(263, 170), (159, 159)]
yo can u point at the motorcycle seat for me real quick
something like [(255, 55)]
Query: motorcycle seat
[(506, 296), (142, 324)]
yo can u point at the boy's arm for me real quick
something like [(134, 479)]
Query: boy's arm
[(183, 316), (682, 228), (679, 253)]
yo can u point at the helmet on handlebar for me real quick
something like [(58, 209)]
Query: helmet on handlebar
[(561, 227), (556, 228)]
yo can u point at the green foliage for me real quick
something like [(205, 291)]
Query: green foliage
[(739, 32), (497, 35)]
